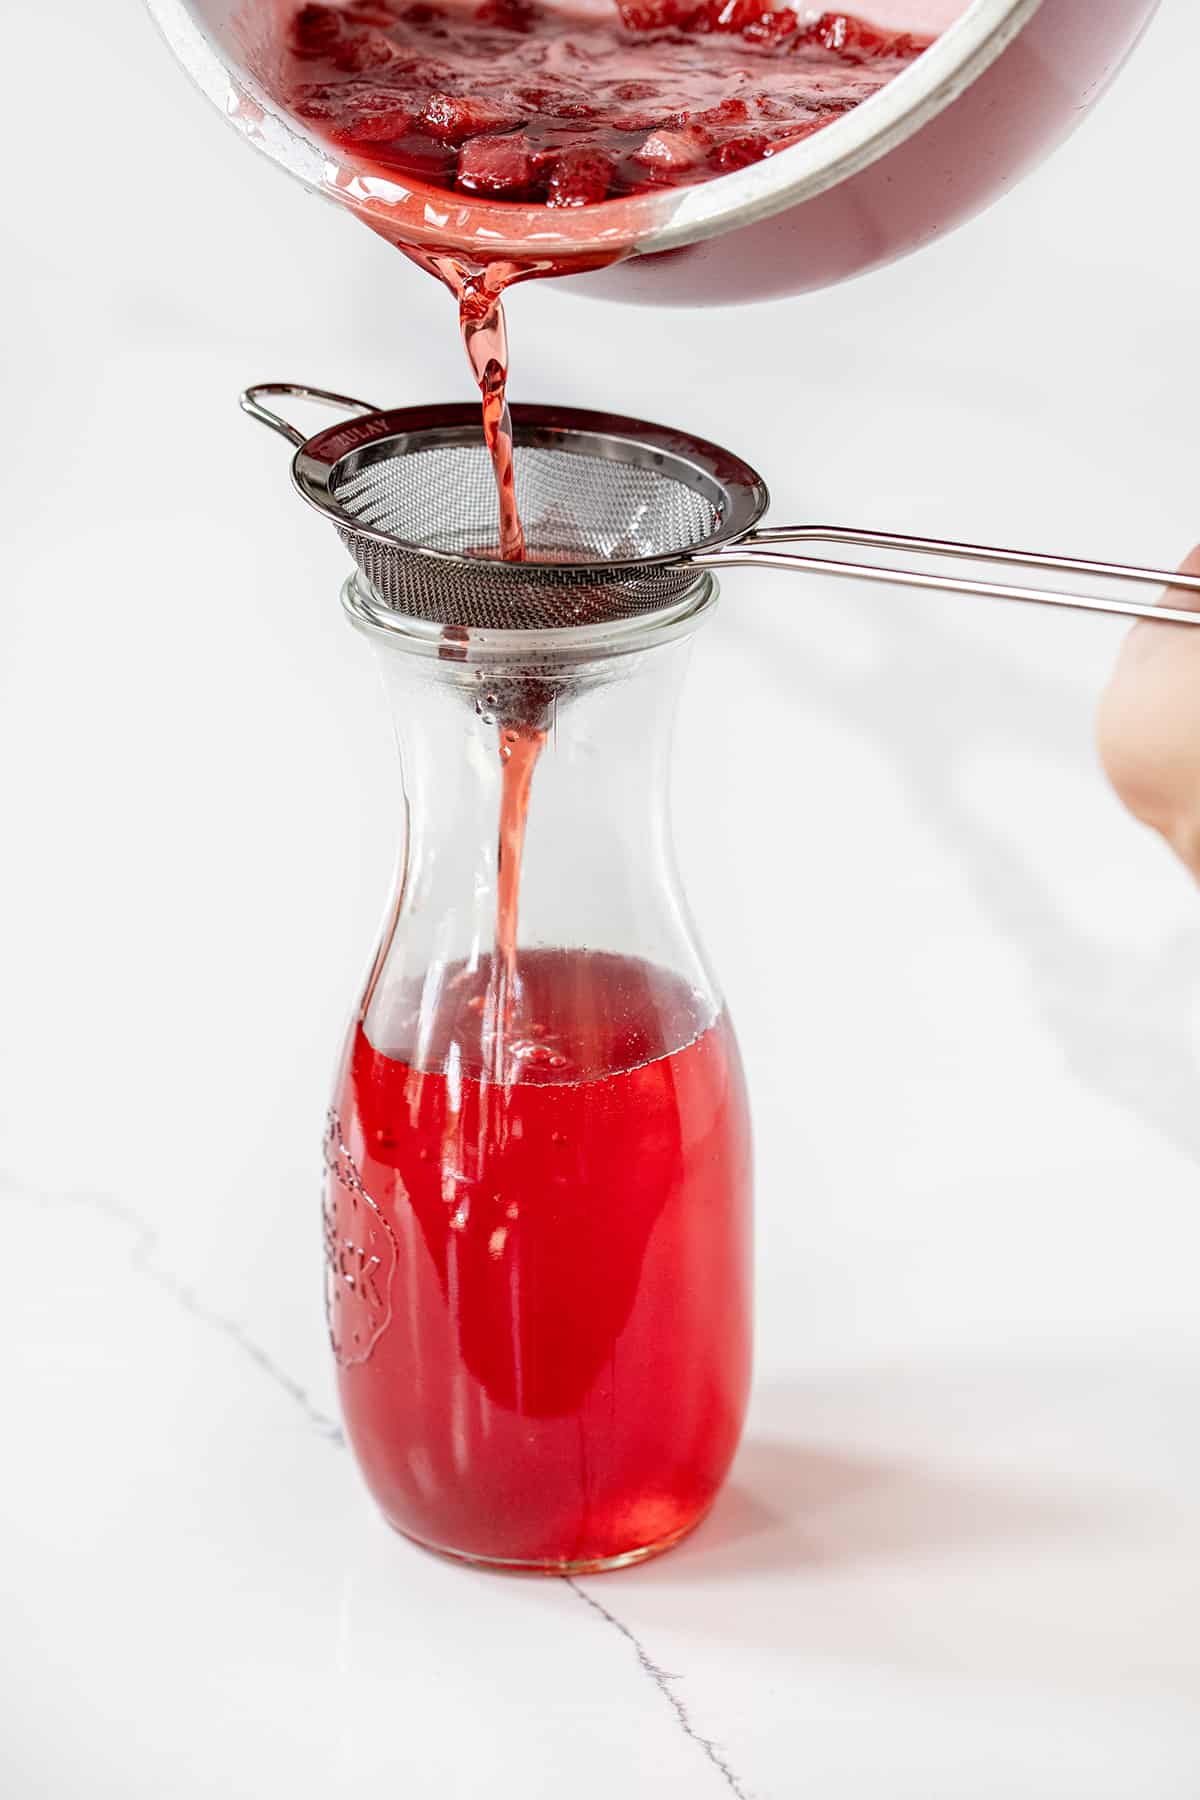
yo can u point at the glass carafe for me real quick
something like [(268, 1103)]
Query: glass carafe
[(537, 1214)]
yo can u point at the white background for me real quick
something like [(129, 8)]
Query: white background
[(959, 1555)]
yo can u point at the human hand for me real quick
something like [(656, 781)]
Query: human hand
[(1148, 727)]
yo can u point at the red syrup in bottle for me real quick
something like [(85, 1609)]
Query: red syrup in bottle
[(539, 1286)]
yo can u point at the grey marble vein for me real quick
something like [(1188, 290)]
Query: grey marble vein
[(141, 1258), (662, 1681)]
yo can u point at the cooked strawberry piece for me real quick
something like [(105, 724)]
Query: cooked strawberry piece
[(645, 119), (771, 29), (580, 177), (786, 135), (454, 117), (316, 29), (374, 118), (562, 101), (421, 75), (422, 158), (320, 100), (739, 153), (729, 15), (659, 15), (732, 111), (360, 51), (674, 152), (774, 106), (380, 16), (509, 15), (849, 36), (500, 166)]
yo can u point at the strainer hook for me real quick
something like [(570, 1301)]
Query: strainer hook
[(251, 402)]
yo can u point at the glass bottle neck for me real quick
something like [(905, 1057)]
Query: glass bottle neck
[(536, 788)]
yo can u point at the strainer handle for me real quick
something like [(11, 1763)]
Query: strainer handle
[(251, 402), (755, 548)]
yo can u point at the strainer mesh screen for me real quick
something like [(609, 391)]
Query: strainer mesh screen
[(573, 506)]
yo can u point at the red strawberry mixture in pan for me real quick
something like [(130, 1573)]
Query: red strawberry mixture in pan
[(510, 101), (515, 101)]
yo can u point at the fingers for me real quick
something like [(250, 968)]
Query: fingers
[(1148, 728)]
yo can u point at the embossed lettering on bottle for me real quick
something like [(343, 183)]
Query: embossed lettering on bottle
[(360, 1255)]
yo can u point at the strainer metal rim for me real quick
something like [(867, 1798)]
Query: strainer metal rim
[(737, 491), (560, 645)]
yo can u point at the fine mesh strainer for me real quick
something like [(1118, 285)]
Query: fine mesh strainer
[(621, 517)]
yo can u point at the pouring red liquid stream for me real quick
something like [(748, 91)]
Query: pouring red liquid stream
[(485, 337), (520, 747), (481, 318)]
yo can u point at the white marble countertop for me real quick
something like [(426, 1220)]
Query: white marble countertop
[(960, 1551)]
